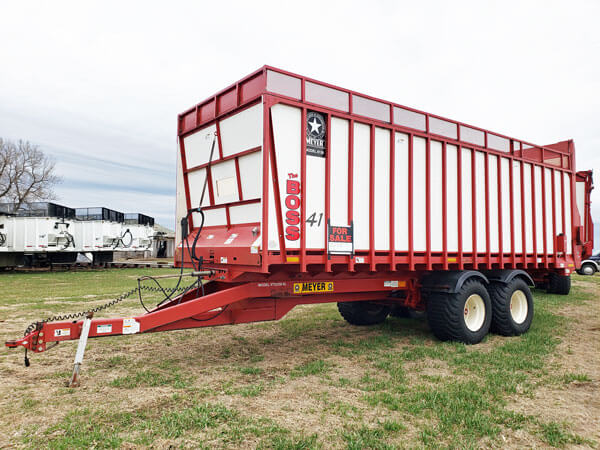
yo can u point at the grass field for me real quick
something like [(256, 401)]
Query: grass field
[(307, 381)]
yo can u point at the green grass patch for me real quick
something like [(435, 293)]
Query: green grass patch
[(315, 367)]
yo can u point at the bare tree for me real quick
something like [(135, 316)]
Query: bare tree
[(26, 173)]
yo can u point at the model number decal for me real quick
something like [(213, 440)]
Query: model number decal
[(314, 219), (313, 287)]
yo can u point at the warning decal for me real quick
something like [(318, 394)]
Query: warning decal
[(313, 287), (62, 332), (130, 326)]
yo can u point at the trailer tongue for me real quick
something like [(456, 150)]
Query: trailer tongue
[(291, 191)]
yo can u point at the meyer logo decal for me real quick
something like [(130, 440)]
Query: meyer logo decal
[(313, 287), (315, 134)]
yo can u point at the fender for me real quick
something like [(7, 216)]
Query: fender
[(590, 261), (505, 276), (449, 281)]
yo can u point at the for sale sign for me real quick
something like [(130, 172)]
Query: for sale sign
[(340, 240)]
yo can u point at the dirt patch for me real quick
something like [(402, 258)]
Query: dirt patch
[(217, 363), (569, 400)]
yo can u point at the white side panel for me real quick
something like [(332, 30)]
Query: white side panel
[(528, 208), (382, 189), (224, 180), (467, 202), (242, 131), (401, 192), (419, 195), (569, 226), (493, 196), (286, 136), (435, 196), (505, 177), (360, 177), (315, 202), (196, 181), (580, 200), (518, 228), (251, 175), (452, 197), (211, 217), (539, 210), (481, 213), (558, 201), (245, 213), (180, 205), (198, 147), (548, 197), (338, 205)]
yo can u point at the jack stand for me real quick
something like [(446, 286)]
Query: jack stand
[(85, 331)]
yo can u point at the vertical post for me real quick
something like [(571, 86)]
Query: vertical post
[(372, 199), (303, 190), (474, 208), (444, 208), (487, 211), (83, 337), (500, 222), (544, 217), (553, 182), (523, 225), (563, 215), (239, 179), (512, 212), (392, 200), (218, 128), (267, 132), (428, 201), (327, 193), (461, 264), (573, 209), (411, 255), (351, 185)]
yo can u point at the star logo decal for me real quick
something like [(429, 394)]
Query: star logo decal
[(314, 126)]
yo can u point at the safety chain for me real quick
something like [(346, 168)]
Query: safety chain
[(107, 305)]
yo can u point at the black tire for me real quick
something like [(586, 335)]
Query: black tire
[(363, 313), (587, 269), (559, 284), (509, 320), (446, 314)]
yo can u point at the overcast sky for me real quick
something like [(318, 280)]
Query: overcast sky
[(99, 84)]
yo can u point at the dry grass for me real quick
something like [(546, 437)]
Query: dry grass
[(308, 381)]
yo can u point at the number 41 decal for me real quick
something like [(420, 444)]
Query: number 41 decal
[(312, 219)]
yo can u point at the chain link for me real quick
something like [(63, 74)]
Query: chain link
[(107, 305)]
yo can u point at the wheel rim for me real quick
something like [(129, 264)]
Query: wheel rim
[(588, 270), (518, 306), (474, 312)]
